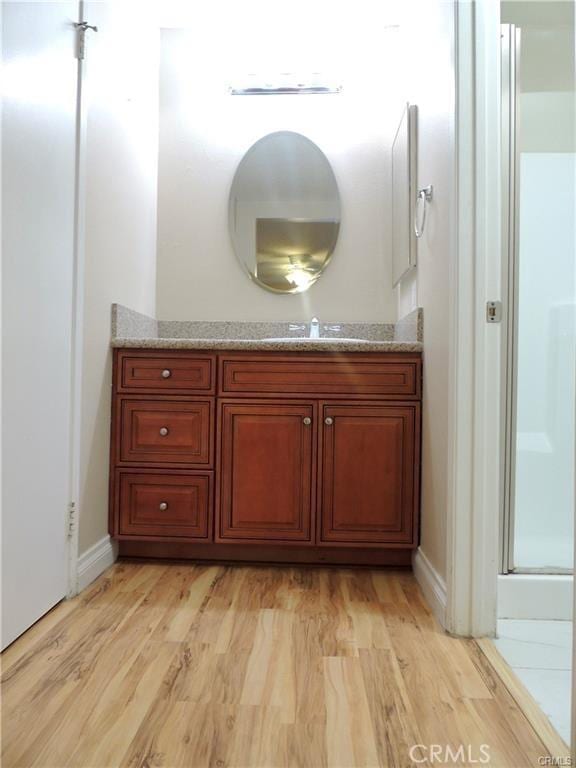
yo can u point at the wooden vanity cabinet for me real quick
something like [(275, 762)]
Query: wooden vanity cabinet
[(290, 457)]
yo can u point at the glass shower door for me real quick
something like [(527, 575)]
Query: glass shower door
[(539, 235)]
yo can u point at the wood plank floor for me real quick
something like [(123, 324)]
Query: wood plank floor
[(165, 665)]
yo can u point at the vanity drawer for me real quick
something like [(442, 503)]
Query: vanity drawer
[(166, 431), (156, 372), (165, 505), (389, 376)]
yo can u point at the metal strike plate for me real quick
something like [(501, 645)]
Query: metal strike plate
[(493, 311)]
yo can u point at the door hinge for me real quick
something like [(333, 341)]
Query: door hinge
[(81, 28), (493, 311), (72, 520)]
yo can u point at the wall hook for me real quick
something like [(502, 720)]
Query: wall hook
[(81, 28), (423, 197)]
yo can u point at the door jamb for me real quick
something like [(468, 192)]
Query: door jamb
[(476, 398), (473, 512), (77, 325)]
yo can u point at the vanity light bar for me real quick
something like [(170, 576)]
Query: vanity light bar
[(286, 84)]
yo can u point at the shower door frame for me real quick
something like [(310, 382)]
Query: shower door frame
[(510, 49), (511, 43)]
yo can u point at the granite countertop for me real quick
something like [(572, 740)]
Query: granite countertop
[(133, 330)]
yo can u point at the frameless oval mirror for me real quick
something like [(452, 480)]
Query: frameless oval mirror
[(284, 212)]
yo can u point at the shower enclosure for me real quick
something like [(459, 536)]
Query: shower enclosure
[(538, 193), (539, 237)]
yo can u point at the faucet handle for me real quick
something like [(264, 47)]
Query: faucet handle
[(332, 327), (296, 327), (314, 328)]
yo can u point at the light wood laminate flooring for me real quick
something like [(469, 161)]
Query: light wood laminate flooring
[(175, 664)]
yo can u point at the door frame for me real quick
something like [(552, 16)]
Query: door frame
[(77, 350), (473, 514), (477, 366)]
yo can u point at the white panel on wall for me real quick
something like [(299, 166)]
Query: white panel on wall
[(204, 132), (403, 180), (546, 389), (548, 121)]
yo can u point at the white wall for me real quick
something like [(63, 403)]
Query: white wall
[(546, 394), (548, 121), (429, 34), (120, 256), (204, 133)]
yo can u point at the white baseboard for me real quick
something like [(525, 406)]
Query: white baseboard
[(431, 584), (95, 560), (535, 596)]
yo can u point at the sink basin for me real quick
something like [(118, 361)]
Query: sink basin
[(326, 339)]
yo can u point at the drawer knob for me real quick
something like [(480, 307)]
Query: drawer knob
[(166, 373), (307, 420), (163, 506), (163, 431), (328, 420)]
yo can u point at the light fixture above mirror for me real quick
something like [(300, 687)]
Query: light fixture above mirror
[(285, 83)]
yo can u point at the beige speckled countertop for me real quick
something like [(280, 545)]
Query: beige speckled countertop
[(134, 330)]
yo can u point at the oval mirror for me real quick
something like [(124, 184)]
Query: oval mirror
[(284, 212)]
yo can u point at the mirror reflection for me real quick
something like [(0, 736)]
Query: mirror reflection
[(284, 212)]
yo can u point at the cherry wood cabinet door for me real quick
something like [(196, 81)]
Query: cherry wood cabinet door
[(369, 477), (266, 471)]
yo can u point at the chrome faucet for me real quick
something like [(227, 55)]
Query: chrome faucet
[(314, 328)]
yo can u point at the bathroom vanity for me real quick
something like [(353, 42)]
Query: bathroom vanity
[(270, 442), (266, 450)]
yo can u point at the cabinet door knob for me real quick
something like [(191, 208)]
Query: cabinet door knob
[(163, 506), (307, 420), (163, 431), (328, 420), (166, 373)]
